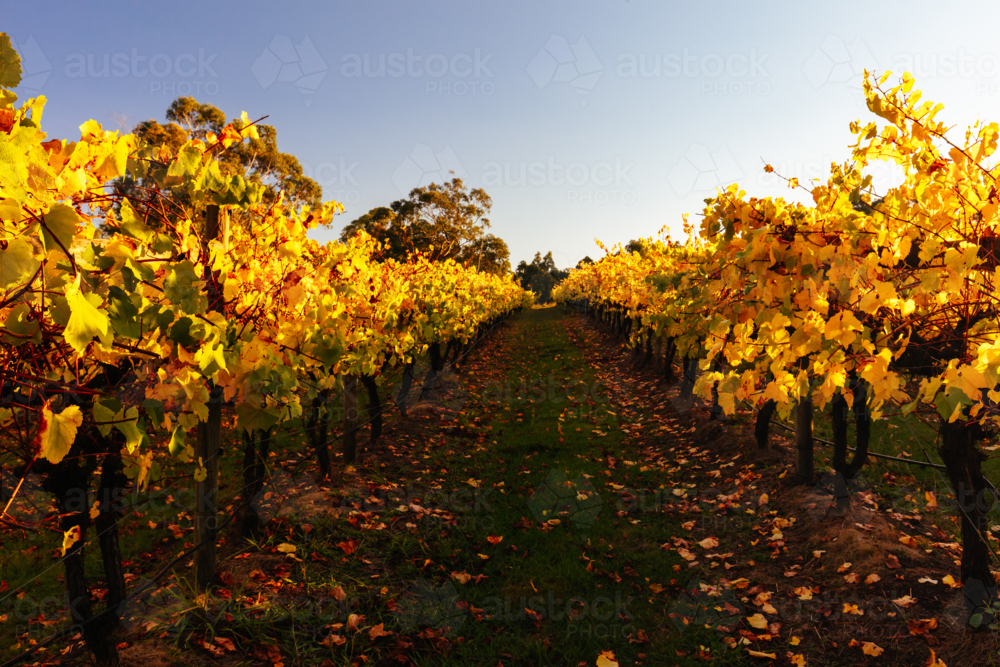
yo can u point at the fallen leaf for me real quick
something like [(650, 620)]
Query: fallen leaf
[(892, 562), (804, 593), (758, 654), (640, 638), (607, 659), (709, 543), (286, 548), (905, 601), (844, 568), (872, 579), (922, 626), (379, 631), (870, 648), (214, 650), (908, 540), (225, 643), (757, 621), (461, 577)]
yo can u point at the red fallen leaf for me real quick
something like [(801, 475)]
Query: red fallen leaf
[(640, 638), (225, 578), (225, 643), (494, 539), (379, 631), (922, 626), (316, 557), (3, 585), (214, 650), (892, 562), (349, 547), (476, 612), (258, 575)]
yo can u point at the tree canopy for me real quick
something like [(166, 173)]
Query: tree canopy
[(257, 159), (440, 221), (541, 276)]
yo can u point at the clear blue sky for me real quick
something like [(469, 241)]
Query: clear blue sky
[(582, 119)]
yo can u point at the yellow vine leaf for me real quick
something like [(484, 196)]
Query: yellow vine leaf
[(70, 537), (57, 432)]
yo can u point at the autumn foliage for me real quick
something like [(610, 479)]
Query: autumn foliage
[(887, 296)]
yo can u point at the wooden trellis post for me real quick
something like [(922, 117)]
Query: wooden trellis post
[(350, 419), (209, 436), (804, 440)]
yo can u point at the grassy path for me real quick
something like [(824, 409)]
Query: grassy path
[(564, 562)]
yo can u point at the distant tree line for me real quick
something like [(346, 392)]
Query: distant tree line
[(441, 221)]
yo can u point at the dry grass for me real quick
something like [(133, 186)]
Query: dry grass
[(149, 654)]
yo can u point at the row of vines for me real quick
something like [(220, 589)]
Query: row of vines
[(131, 320), (856, 301)]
